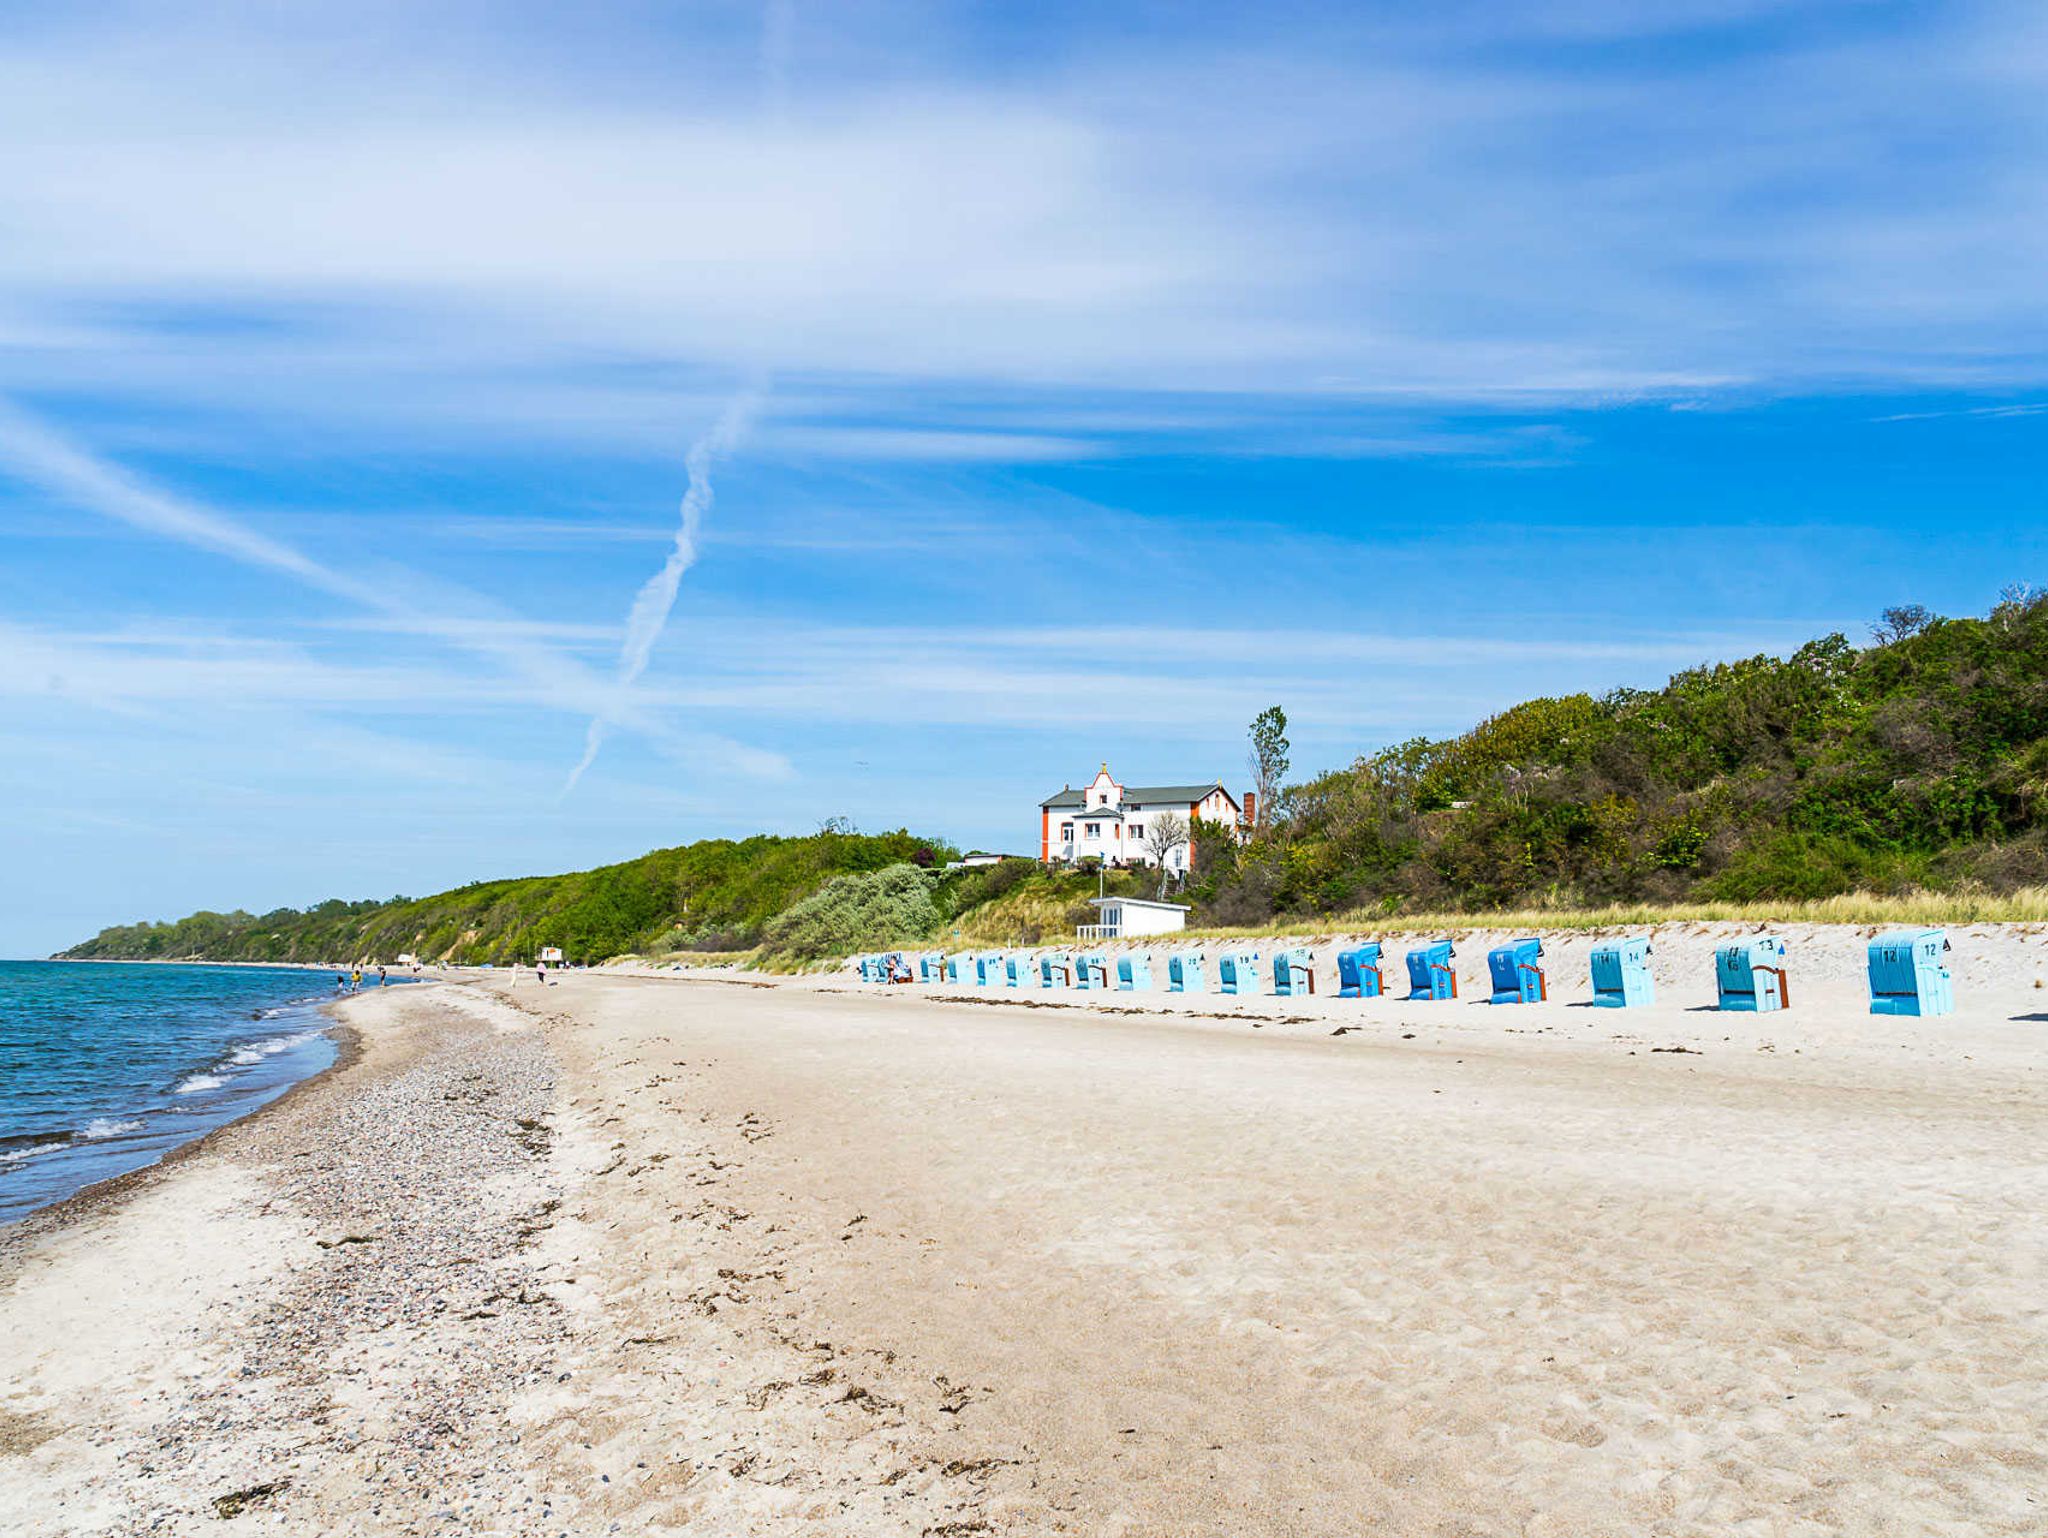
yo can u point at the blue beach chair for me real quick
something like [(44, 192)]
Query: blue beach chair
[(1184, 972), (1621, 974), (1909, 975), (1237, 972), (1750, 975), (1358, 972), (1430, 975), (1516, 977), (1056, 970), (1091, 970), (1134, 972), (1294, 973)]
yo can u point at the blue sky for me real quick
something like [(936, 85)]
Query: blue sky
[(1062, 385)]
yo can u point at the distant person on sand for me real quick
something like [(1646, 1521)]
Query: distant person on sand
[(383, 977), (540, 971)]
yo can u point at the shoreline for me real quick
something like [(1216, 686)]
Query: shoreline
[(266, 1243), (90, 1198), (314, 1014)]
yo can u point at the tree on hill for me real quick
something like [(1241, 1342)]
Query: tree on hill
[(1901, 621), (1268, 762), (1164, 833)]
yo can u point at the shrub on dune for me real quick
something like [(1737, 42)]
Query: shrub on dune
[(862, 911)]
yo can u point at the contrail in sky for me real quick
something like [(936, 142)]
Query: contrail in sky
[(656, 599)]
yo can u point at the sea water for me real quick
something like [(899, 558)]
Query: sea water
[(107, 1066)]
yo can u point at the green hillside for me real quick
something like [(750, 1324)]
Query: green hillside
[(1918, 762), (714, 895)]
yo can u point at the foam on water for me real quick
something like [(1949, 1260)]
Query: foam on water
[(107, 1126), (105, 1067)]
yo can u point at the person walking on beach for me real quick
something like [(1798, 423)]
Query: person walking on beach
[(383, 977), (540, 971)]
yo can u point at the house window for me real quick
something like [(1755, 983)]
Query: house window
[(1094, 830), (1066, 833), (1137, 830)]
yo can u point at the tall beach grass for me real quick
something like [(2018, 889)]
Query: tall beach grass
[(2028, 905)]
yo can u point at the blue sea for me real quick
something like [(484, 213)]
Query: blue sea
[(106, 1067)]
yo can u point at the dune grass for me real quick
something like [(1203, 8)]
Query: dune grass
[(1028, 918), (2028, 905), (1006, 919)]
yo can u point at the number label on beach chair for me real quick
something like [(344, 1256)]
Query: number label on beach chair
[(1621, 974)]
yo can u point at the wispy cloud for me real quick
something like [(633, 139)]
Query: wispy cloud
[(931, 445), (1168, 679), (1482, 206), (1988, 413), (34, 452)]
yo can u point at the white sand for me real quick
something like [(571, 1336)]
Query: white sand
[(827, 1260)]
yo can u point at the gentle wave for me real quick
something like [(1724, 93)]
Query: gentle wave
[(172, 1052), (249, 1054), (105, 1127)]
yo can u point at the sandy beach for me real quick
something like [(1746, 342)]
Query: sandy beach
[(726, 1255)]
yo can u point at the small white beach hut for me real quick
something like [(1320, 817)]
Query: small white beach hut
[(1121, 917)]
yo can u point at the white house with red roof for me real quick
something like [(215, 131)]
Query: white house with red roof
[(1107, 820)]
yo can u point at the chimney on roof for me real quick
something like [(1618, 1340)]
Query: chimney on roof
[(1251, 807)]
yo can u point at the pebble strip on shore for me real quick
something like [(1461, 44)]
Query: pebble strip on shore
[(378, 1373)]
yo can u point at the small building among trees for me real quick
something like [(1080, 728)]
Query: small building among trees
[(1124, 825)]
